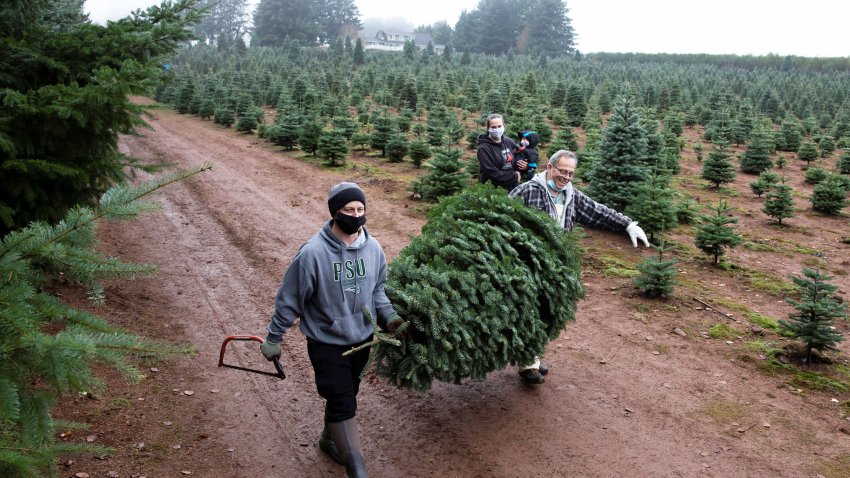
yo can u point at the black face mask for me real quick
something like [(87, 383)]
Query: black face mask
[(349, 224)]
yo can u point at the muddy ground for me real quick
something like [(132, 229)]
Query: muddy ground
[(636, 388)]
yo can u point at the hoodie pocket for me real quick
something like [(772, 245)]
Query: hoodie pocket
[(346, 327)]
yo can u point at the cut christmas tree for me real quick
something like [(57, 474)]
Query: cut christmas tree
[(488, 283)]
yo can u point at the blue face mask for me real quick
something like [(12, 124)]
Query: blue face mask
[(555, 188)]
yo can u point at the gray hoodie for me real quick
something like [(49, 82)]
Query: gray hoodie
[(327, 285)]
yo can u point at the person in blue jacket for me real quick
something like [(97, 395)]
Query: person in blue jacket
[(334, 275)]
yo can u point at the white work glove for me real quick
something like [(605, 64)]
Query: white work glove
[(635, 233)]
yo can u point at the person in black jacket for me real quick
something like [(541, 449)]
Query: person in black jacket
[(496, 156), (528, 141)]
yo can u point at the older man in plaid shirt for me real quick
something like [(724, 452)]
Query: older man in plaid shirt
[(551, 191)]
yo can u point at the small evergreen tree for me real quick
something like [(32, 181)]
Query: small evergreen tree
[(815, 175), (816, 310), (223, 116), (756, 157), (419, 152), (718, 168), (765, 181), (714, 235), (844, 162), (686, 210), (248, 122), (359, 56), (332, 147), (309, 136), (830, 195), (657, 276), (827, 146), (808, 152), (778, 203), (698, 148), (653, 206), (397, 147), (445, 178), (781, 161), (360, 140), (381, 134)]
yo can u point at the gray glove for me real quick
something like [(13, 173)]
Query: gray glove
[(270, 350), (393, 323)]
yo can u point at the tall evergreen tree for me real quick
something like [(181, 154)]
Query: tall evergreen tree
[(550, 31), (359, 56), (226, 20), (614, 179), (65, 85), (714, 234), (816, 310), (47, 347)]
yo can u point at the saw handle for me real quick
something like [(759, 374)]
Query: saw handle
[(275, 361)]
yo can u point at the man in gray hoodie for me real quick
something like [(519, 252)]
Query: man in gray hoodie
[(334, 275), (552, 192)]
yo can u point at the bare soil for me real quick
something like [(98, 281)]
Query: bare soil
[(626, 396)]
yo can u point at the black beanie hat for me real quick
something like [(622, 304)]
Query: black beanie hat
[(532, 137), (342, 194)]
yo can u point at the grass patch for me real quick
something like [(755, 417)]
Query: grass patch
[(760, 280), (762, 321), (759, 247), (723, 331), (616, 267), (838, 467), (726, 412), (119, 402), (805, 379)]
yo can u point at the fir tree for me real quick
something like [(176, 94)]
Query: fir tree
[(361, 140), (48, 348), (248, 122), (359, 57), (419, 151), (816, 310), (397, 147), (66, 85), (765, 181), (575, 104), (815, 175), (781, 161), (698, 148), (756, 157), (223, 116), (826, 146), (445, 178), (614, 179), (450, 285), (657, 276), (808, 152), (714, 235), (381, 134), (686, 210), (333, 147), (718, 168), (844, 162), (830, 195), (310, 133), (778, 203), (653, 206)]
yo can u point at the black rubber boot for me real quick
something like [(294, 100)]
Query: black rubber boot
[(532, 376), (327, 445), (544, 370), (346, 436), (355, 467)]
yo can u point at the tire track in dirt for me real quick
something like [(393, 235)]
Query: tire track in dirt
[(230, 234)]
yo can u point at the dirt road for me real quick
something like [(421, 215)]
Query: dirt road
[(625, 397)]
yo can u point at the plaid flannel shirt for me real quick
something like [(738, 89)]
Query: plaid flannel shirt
[(581, 209)]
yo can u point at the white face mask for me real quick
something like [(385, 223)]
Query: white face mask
[(497, 132)]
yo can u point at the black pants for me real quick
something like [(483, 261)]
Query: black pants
[(337, 377)]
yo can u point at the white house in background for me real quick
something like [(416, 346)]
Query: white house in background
[(393, 41)]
